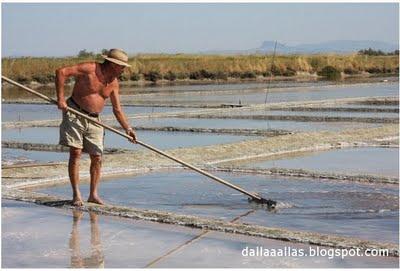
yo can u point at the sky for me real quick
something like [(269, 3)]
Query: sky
[(52, 29)]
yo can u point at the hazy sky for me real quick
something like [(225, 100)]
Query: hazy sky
[(47, 29)]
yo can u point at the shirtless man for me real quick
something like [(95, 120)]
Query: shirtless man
[(94, 83)]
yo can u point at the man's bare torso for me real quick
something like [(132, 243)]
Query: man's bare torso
[(92, 88)]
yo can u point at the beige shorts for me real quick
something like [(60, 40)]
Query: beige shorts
[(80, 133)]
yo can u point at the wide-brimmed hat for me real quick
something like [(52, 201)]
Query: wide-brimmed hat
[(117, 56)]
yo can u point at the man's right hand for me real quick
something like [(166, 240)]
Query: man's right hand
[(130, 132), (62, 105)]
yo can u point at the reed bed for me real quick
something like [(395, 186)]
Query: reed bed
[(154, 67)]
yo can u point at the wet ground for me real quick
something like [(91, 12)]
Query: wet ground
[(363, 160), (75, 239), (313, 205)]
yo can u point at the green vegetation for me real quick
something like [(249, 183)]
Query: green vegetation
[(170, 76), (153, 76), (156, 67), (84, 54), (372, 52), (330, 73)]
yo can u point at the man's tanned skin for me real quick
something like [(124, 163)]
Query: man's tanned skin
[(94, 83)]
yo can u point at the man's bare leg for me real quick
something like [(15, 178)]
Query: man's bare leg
[(73, 171), (95, 168)]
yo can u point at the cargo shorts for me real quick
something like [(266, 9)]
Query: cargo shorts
[(78, 132)]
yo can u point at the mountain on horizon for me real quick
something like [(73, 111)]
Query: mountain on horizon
[(336, 46)]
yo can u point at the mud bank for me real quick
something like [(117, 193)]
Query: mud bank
[(239, 131), (51, 147), (340, 109), (379, 101), (250, 132), (207, 224), (301, 173)]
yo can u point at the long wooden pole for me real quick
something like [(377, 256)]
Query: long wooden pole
[(271, 71), (254, 197)]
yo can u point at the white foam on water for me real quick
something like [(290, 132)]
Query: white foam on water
[(16, 161), (284, 205)]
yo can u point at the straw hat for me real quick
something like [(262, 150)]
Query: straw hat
[(117, 56)]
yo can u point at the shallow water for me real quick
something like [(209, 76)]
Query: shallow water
[(173, 140), (365, 160), (306, 204), (27, 112), (163, 140), (74, 239), (20, 156), (288, 95)]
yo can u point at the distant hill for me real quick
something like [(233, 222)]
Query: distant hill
[(337, 46)]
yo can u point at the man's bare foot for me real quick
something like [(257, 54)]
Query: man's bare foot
[(77, 201), (95, 199)]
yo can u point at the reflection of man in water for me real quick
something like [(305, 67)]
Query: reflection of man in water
[(96, 259)]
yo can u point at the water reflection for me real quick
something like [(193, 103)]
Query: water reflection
[(194, 239), (96, 257)]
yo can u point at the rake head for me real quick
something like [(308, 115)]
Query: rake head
[(267, 202)]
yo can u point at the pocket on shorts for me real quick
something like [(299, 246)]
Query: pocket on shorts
[(74, 122)]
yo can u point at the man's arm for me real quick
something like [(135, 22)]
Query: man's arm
[(119, 114), (62, 74)]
